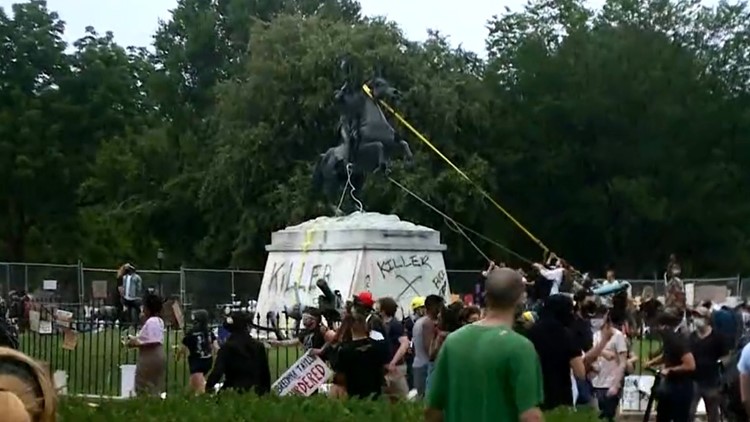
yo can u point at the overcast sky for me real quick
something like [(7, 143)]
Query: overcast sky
[(134, 21)]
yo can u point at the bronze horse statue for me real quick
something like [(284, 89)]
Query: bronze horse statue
[(367, 141)]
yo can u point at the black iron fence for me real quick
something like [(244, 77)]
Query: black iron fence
[(91, 359)]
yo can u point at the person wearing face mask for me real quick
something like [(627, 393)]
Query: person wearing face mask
[(675, 393), (708, 347), (311, 337)]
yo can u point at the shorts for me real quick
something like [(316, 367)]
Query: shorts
[(200, 366)]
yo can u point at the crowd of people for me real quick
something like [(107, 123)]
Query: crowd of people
[(538, 341), (525, 348)]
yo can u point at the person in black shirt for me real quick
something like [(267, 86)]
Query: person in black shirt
[(311, 337), (199, 342), (676, 394), (708, 347), (558, 351), (361, 361), (398, 346), (242, 361)]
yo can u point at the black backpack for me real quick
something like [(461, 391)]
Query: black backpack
[(8, 334)]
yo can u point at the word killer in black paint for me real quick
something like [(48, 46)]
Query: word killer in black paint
[(389, 265), (288, 276)]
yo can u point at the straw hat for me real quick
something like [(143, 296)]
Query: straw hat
[(26, 391)]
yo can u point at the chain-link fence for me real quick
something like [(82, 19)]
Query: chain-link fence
[(59, 282), (212, 288)]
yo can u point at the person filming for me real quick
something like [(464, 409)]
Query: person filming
[(130, 287)]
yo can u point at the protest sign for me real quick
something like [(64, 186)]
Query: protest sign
[(303, 378)]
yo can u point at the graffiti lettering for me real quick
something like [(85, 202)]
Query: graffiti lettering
[(319, 271), (285, 276), (389, 265), (409, 285), (441, 283)]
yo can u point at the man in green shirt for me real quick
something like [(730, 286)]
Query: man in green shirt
[(486, 372)]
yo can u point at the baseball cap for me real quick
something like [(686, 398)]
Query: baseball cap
[(365, 298)]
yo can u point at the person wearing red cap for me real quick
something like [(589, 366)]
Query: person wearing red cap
[(364, 302), (365, 299)]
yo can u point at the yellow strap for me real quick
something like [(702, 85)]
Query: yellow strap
[(309, 233), (458, 170)]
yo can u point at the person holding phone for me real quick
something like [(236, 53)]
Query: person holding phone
[(609, 369), (676, 392)]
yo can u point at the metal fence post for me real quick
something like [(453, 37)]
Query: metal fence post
[(7, 277), (26, 278), (81, 287), (182, 284), (233, 292)]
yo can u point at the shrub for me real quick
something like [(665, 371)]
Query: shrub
[(267, 409)]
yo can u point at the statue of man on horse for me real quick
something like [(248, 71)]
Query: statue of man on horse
[(367, 140)]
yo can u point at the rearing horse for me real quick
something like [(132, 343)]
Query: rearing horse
[(367, 139)]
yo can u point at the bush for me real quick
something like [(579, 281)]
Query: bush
[(267, 409)]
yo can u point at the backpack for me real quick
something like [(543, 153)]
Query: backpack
[(8, 334)]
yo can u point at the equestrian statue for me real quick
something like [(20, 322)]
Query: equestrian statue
[(366, 140)]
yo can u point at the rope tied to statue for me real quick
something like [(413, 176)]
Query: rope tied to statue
[(460, 228), (481, 190), (350, 186)]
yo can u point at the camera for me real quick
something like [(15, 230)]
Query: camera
[(330, 303)]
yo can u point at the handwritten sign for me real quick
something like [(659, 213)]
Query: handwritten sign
[(303, 378)]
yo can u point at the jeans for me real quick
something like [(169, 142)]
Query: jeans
[(711, 398), (132, 311), (585, 392), (674, 404), (607, 405), (430, 368), (420, 379)]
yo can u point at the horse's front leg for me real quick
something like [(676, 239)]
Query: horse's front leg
[(406, 150), (374, 150)]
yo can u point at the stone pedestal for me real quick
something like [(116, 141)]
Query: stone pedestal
[(362, 251)]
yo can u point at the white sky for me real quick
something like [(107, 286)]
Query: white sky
[(133, 22)]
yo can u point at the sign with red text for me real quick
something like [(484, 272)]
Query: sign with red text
[(303, 378)]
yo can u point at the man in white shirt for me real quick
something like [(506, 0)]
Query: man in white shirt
[(608, 371), (555, 275)]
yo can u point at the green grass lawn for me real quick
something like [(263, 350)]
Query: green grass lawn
[(94, 366)]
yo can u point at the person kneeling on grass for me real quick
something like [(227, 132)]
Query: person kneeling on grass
[(242, 361)]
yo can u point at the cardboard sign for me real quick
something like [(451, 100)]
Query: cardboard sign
[(635, 392), (63, 318), (99, 289), (45, 327), (178, 315), (70, 339), (303, 378), (34, 318)]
